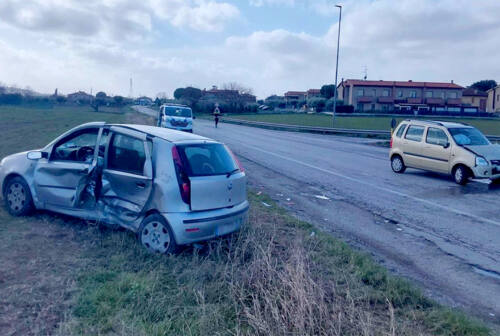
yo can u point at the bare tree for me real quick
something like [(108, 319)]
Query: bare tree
[(237, 87)]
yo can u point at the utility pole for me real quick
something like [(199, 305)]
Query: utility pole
[(336, 68)]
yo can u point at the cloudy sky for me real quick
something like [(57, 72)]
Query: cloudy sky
[(269, 45)]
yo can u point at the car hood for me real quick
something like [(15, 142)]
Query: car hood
[(490, 152)]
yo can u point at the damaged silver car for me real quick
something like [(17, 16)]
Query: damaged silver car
[(171, 188)]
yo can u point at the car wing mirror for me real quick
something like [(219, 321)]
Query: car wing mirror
[(446, 145), (36, 155)]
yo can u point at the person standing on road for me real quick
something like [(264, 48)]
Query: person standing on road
[(216, 115)]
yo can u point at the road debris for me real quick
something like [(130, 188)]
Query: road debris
[(323, 197), (266, 205)]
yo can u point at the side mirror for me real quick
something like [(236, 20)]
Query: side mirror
[(446, 145), (36, 155)]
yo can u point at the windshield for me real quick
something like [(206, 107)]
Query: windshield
[(176, 111), (207, 159), (468, 137)]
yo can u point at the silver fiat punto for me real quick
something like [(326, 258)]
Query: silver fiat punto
[(170, 187)]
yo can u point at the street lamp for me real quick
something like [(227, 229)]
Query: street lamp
[(336, 68)]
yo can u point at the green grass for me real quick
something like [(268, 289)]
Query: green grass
[(488, 127), (23, 128)]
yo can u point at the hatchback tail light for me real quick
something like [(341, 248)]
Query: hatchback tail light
[(182, 176), (240, 167), (390, 144)]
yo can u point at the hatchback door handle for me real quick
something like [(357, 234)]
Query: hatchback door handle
[(141, 185)]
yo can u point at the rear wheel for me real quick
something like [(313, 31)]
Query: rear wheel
[(461, 175), (397, 164), (155, 235), (18, 197)]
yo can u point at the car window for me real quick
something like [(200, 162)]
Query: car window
[(436, 136), (175, 111), (468, 137), (78, 146), (126, 154), (401, 130), (415, 133), (207, 159)]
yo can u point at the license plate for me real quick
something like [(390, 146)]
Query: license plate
[(224, 229)]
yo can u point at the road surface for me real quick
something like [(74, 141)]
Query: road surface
[(420, 225)]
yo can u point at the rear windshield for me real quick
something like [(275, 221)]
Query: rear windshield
[(468, 137), (207, 159), (176, 111)]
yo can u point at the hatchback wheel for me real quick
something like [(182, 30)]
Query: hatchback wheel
[(397, 164), (18, 197), (461, 175), (155, 234)]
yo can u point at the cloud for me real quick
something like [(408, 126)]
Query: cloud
[(428, 40)]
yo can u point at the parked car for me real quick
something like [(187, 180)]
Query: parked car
[(178, 117), (171, 188), (446, 147)]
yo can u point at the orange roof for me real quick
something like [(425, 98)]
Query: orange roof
[(436, 85)]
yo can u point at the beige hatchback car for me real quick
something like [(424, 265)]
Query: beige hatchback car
[(445, 147)]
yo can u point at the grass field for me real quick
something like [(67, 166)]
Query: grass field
[(278, 276), (489, 127)]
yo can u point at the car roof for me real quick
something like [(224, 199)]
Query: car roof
[(164, 133), (447, 124)]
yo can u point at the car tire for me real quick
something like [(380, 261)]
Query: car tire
[(156, 235), (397, 164), (17, 196), (461, 175)]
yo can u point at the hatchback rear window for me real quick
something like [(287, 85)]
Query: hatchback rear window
[(207, 159), (401, 130)]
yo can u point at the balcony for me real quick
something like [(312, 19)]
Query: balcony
[(386, 100), (365, 99), (435, 101), (454, 101), (414, 100)]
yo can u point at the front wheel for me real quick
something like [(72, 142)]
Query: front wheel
[(18, 197), (397, 164), (461, 175), (155, 235)]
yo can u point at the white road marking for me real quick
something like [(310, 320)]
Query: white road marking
[(417, 199)]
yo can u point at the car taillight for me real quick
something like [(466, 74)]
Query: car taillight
[(240, 167), (390, 144), (182, 177)]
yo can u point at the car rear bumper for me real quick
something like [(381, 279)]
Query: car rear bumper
[(197, 226), (486, 172)]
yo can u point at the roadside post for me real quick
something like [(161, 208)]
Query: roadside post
[(393, 125)]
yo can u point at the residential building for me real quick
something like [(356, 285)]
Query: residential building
[(229, 95), (474, 100), (399, 96), (79, 97), (313, 93), (292, 97), (493, 101)]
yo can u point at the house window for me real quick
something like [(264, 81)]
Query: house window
[(452, 95), (428, 94), (361, 92), (400, 94), (442, 95), (498, 97), (413, 94), (374, 92), (386, 93)]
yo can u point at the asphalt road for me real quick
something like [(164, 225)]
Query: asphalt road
[(421, 225)]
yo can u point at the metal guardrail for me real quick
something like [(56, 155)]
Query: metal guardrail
[(322, 130)]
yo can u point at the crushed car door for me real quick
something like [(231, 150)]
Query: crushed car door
[(127, 178), (61, 178)]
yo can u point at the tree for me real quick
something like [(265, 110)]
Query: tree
[(328, 91), (484, 85), (189, 94), (237, 87), (118, 100), (317, 103), (100, 99)]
